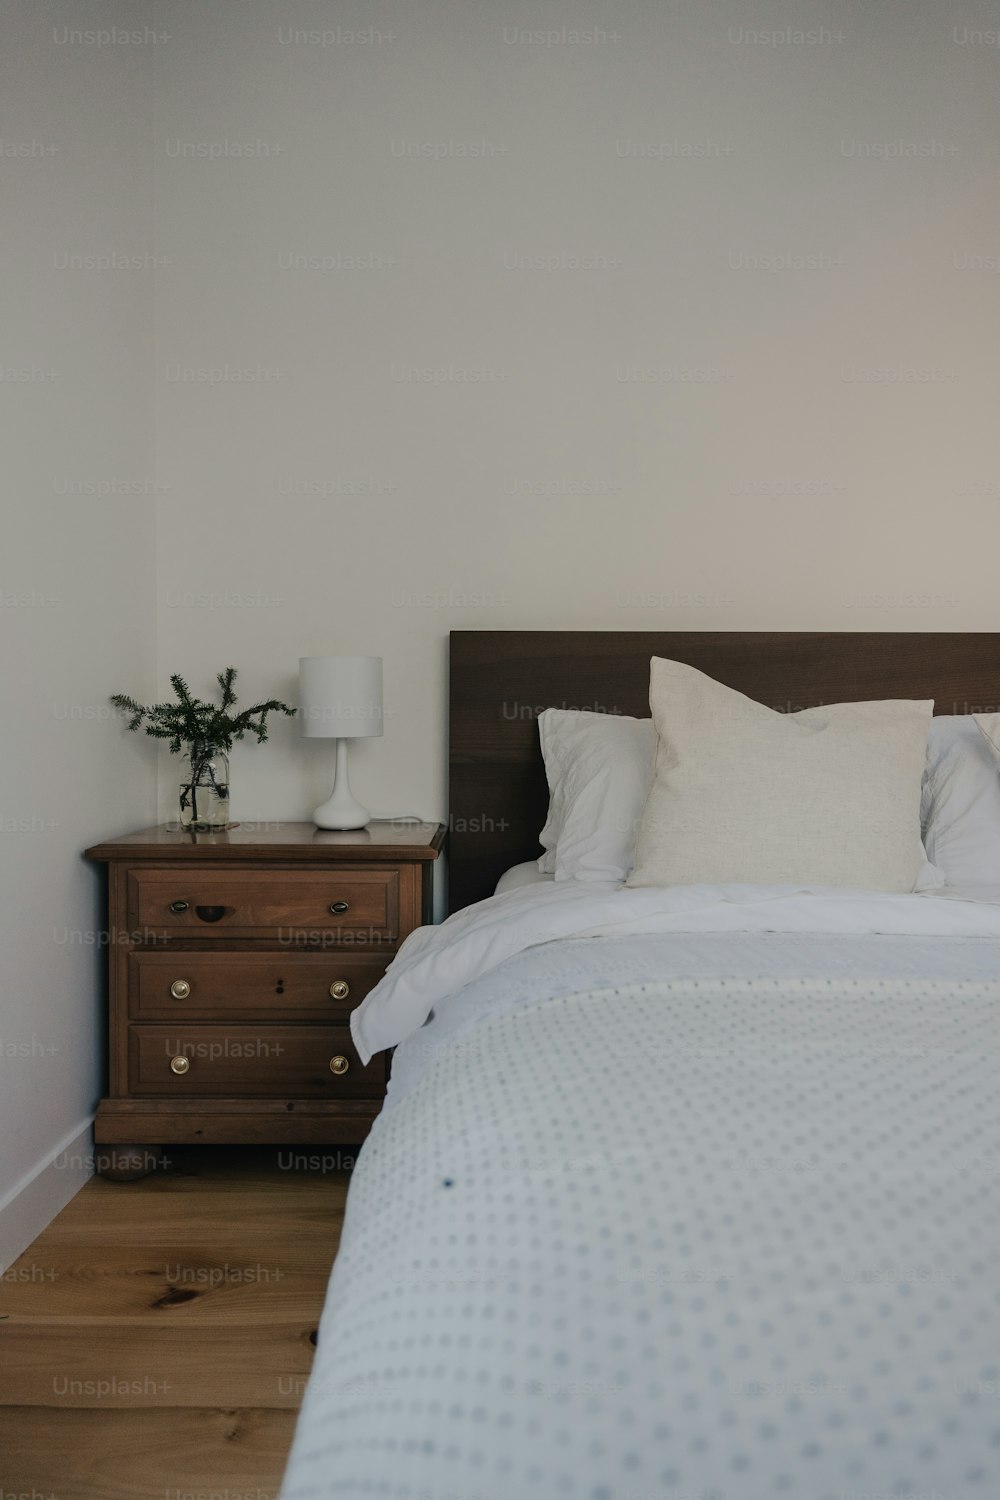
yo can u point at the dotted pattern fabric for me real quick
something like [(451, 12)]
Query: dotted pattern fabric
[(576, 965), (710, 1238)]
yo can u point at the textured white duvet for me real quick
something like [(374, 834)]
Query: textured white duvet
[(675, 1216)]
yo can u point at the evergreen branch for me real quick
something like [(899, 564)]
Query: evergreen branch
[(129, 706), (189, 721), (225, 680)]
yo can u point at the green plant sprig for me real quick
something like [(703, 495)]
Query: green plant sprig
[(192, 721)]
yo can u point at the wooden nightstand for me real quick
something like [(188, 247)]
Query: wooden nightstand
[(235, 960)]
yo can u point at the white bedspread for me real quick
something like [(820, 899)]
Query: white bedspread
[(678, 1216)]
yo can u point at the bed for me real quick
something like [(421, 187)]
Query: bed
[(678, 1192)]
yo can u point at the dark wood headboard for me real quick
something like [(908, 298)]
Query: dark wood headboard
[(502, 679)]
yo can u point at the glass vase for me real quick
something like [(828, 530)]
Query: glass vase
[(204, 789)]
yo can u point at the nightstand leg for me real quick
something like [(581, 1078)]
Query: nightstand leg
[(126, 1163)]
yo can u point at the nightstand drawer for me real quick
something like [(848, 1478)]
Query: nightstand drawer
[(292, 906), (302, 1062), (248, 986)]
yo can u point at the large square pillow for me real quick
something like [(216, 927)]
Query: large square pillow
[(742, 793)]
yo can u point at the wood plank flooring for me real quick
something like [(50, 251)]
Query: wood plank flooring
[(155, 1341)]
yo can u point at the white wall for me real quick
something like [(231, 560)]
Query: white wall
[(757, 446), (76, 569)]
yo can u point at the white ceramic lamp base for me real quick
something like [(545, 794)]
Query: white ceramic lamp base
[(341, 809)]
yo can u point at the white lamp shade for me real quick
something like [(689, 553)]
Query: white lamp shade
[(340, 697)]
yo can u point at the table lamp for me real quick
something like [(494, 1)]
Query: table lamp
[(340, 697)]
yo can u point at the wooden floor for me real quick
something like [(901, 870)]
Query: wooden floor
[(156, 1339)]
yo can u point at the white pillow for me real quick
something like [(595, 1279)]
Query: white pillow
[(961, 805), (741, 793), (599, 769)]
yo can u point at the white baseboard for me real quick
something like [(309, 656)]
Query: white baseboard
[(34, 1201)]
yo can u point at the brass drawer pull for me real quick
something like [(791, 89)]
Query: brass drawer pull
[(339, 1065), (180, 1064), (339, 907), (179, 906), (180, 989), (340, 989)]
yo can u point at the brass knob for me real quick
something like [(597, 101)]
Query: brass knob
[(339, 1065), (340, 989), (180, 1063), (178, 906), (338, 907), (180, 989)]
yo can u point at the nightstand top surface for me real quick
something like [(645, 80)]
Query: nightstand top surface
[(389, 839)]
